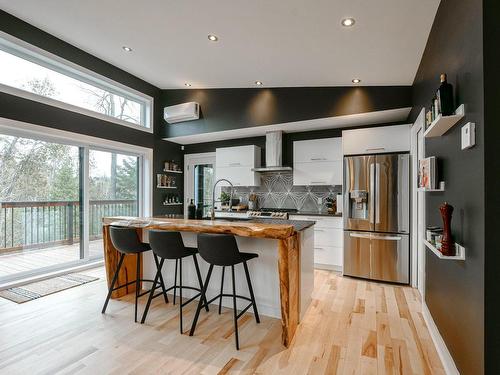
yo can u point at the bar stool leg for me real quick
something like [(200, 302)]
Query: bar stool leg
[(203, 297), (221, 289), (175, 279), (162, 283), (152, 291), (235, 312), (200, 281), (180, 294), (257, 319), (137, 284), (115, 277)]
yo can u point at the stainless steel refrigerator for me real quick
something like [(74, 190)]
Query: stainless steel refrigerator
[(377, 217)]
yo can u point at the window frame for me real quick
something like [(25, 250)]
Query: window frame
[(31, 53), (145, 187)]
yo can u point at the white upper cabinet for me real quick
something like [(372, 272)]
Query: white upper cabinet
[(236, 163), (328, 149), (317, 162), (376, 140)]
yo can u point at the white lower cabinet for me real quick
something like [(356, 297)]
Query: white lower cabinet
[(328, 241)]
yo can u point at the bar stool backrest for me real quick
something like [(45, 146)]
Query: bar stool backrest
[(167, 244), (126, 240), (219, 249)]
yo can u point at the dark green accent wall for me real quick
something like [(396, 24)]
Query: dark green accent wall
[(455, 290), (227, 109)]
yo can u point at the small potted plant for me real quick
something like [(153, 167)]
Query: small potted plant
[(224, 198)]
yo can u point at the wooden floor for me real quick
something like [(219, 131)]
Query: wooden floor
[(14, 262), (352, 327)]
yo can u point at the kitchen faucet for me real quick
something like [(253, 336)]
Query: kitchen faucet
[(212, 212)]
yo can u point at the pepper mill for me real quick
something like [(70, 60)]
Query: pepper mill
[(447, 243)]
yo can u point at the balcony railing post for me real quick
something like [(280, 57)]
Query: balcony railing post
[(70, 214)]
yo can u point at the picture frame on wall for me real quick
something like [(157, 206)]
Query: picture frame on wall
[(427, 173)]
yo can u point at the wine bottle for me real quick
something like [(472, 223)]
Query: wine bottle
[(191, 210), (444, 95)]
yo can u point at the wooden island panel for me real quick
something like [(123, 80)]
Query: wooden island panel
[(288, 256)]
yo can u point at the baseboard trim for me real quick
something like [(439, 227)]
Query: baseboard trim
[(328, 267), (444, 354)]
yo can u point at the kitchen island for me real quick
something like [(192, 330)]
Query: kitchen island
[(282, 275)]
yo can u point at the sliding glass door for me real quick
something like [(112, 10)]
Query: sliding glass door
[(113, 191), (40, 200), (53, 197)]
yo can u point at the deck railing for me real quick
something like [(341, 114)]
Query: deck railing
[(25, 225)]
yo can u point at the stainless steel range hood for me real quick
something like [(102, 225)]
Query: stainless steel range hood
[(274, 153)]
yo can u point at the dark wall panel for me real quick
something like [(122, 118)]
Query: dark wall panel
[(226, 109), (492, 183), (455, 290)]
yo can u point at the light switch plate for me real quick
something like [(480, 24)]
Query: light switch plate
[(468, 135)]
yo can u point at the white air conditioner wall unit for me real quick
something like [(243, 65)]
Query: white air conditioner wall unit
[(182, 112)]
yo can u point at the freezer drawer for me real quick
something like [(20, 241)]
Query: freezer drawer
[(357, 254), (376, 256), (390, 258)]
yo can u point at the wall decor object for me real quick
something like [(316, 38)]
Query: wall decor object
[(277, 191), (427, 173), (447, 243)]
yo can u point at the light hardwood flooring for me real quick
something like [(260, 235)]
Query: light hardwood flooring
[(351, 327)]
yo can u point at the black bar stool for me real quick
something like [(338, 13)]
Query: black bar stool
[(222, 250), (126, 241), (169, 245)]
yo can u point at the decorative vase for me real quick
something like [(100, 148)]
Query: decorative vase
[(447, 243)]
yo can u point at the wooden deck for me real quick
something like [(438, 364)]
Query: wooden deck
[(32, 259)]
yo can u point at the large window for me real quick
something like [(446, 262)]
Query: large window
[(61, 83), (54, 191)]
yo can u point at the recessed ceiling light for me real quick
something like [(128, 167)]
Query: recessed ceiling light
[(127, 49), (212, 37), (258, 83), (187, 84), (348, 22), (356, 80)]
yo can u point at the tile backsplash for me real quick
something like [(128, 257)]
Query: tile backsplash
[(277, 191)]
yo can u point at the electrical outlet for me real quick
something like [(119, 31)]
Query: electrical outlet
[(320, 200)]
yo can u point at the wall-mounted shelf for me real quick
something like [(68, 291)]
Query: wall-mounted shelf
[(172, 204), (424, 190), (460, 251), (444, 123), (166, 187), (171, 171)]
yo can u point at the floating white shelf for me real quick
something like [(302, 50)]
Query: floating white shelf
[(429, 190), (460, 251), (166, 187), (172, 204), (171, 171), (444, 123)]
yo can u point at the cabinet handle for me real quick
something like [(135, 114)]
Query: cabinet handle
[(318, 182), (318, 230), (376, 149), (318, 159), (319, 248), (234, 164)]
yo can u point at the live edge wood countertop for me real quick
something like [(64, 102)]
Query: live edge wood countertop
[(285, 232)]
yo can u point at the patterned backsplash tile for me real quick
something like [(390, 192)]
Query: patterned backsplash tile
[(277, 191)]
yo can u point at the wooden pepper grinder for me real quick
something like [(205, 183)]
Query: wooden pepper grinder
[(447, 243)]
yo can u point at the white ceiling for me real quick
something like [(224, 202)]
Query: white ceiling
[(279, 42), (337, 122)]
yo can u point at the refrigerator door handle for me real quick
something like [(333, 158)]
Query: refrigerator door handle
[(387, 238), (377, 192), (371, 206), (360, 235)]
